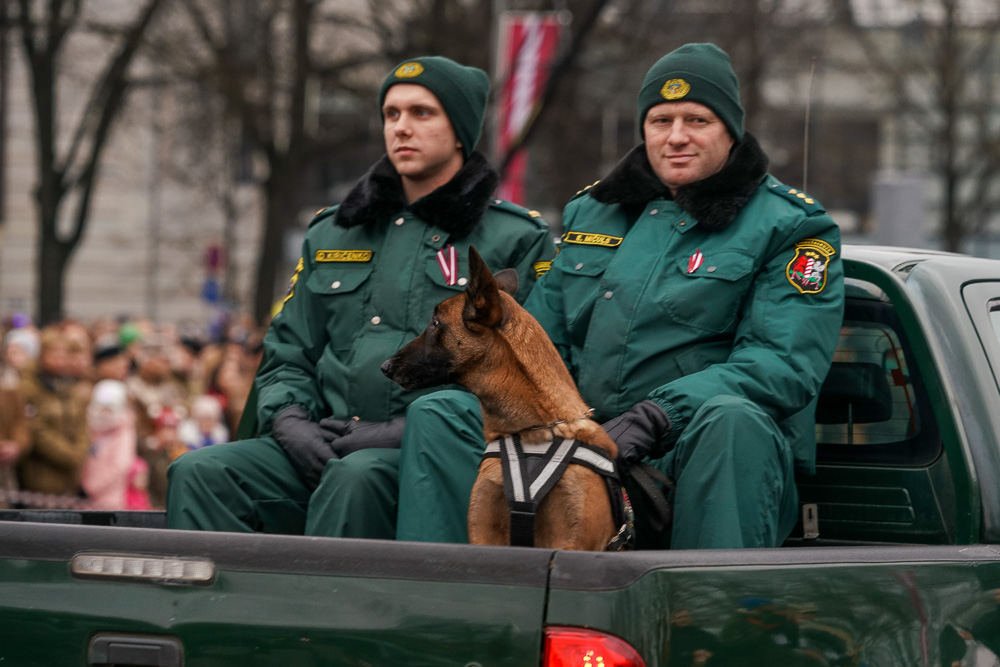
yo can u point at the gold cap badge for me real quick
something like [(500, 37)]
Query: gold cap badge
[(674, 89), (408, 70)]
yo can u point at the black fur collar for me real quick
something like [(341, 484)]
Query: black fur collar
[(714, 201), (456, 207)]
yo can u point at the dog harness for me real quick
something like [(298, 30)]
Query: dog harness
[(530, 472)]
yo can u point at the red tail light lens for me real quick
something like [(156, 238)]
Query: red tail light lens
[(577, 647)]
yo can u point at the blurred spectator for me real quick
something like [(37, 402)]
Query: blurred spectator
[(58, 442), (113, 447), (186, 364), (230, 383), (81, 362), (205, 425), (129, 338), (159, 450), (137, 493), (152, 386), (110, 360), (14, 431), (20, 348)]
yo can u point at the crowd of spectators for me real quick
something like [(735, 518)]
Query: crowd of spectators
[(92, 414)]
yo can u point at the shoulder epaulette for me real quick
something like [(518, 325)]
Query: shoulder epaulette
[(580, 193), (516, 209), (323, 214), (797, 197)]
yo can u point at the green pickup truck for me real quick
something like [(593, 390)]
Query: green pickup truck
[(896, 560)]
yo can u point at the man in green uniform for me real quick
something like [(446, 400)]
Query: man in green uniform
[(371, 271), (697, 302)]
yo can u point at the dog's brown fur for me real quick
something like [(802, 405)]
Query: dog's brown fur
[(484, 341)]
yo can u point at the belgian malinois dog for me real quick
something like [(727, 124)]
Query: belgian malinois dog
[(486, 342)]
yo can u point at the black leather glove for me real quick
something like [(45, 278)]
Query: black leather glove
[(351, 435), (304, 442), (639, 431)]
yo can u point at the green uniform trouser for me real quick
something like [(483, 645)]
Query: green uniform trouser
[(733, 469), (251, 485)]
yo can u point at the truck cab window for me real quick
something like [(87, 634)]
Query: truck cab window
[(872, 408)]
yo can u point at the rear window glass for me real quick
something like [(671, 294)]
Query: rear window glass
[(872, 408)]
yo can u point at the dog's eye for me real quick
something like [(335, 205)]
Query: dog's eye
[(434, 324)]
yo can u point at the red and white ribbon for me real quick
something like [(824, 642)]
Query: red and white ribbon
[(448, 262), (695, 260)]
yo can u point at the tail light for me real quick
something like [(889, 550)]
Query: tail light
[(578, 647)]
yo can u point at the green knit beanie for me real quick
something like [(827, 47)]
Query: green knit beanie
[(695, 73), (461, 90)]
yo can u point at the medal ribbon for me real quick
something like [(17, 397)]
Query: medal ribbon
[(695, 260), (448, 262)]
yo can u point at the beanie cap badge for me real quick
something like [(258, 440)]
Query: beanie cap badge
[(675, 89), (408, 70)]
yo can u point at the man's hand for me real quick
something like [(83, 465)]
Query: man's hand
[(351, 435), (639, 431), (304, 442)]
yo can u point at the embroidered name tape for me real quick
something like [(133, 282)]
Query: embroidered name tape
[(584, 238), (344, 255)]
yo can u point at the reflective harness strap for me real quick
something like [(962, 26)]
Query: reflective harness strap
[(530, 472)]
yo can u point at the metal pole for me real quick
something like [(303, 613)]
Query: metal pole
[(154, 204)]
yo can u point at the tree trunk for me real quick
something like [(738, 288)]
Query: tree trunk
[(278, 212)]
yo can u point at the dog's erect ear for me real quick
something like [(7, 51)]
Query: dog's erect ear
[(483, 304), (506, 280)]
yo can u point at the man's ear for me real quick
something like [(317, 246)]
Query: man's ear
[(506, 280), (483, 305)]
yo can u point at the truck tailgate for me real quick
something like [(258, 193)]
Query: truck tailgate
[(273, 600)]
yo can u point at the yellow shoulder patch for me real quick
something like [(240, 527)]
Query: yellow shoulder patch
[(294, 279), (541, 268)]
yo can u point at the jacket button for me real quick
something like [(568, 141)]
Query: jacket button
[(608, 295), (683, 223), (335, 285), (579, 266), (462, 281), (376, 320), (399, 221), (435, 238), (711, 269), (654, 211)]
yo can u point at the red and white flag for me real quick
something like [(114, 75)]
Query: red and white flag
[(527, 48), (448, 262)]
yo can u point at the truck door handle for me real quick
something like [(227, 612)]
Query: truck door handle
[(123, 650)]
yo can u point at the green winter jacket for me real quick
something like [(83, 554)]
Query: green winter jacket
[(733, 287), (371, 272)]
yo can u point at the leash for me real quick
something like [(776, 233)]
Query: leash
[(646, 478), (531, 471)]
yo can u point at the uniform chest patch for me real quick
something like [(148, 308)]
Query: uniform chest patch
[(807, 269), (585, 238), (344, 255)]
